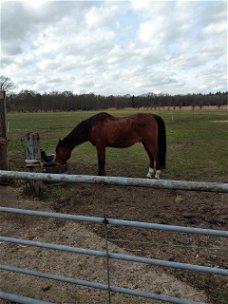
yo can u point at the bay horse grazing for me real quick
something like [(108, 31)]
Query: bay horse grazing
[(104, 130)]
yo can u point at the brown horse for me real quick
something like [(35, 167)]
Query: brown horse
[(103, 130)]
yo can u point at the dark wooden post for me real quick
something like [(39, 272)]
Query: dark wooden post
[(3, 132)]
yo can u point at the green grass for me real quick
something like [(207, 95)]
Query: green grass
[(197, 143)]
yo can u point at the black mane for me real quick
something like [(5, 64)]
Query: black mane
[(80, 133)]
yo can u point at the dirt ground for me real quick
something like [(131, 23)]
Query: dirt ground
[(205, 210)]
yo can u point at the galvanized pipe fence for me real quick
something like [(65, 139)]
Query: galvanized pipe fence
[(120, 181), (161, 184)]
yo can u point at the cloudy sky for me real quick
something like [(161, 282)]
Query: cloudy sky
[(115, 47)]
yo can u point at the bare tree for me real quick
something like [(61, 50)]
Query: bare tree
[(6, 84)]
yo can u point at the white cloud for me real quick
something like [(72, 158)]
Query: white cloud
[(113, 47), (99, 15)]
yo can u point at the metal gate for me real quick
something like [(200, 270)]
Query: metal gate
[(158, 184)]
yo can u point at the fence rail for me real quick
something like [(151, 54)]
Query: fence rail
[(121, 181), (138, 293), (118, 222), (20, 299), (117, 256), (162, 184)]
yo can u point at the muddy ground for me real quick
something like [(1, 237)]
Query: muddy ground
[(205, 210)]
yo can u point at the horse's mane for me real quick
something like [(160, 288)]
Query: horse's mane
[(81, 131)]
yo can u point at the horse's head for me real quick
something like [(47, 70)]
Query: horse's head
[(62, 153)]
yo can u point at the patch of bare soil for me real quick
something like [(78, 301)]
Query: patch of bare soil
[(220, 121), (206, 210)]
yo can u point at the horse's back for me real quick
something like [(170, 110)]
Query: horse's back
[(104, 120), (102, 115), (138, 117), (143, 120)]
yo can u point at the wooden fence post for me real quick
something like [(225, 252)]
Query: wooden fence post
[(3, 132)]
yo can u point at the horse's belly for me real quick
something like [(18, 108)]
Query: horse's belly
[(120, 146), (122, 141)]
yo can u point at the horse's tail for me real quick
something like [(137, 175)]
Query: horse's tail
[(161, 141)]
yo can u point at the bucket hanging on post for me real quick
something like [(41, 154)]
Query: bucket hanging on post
[(33, 153)]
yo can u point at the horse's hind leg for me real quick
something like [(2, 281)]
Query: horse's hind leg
[(101, 160), (151, 153), (157, 172), (157, 168)]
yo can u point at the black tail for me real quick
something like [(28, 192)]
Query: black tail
[(161, 141)]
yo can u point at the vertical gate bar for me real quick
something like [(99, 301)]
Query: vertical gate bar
[(105, 222)]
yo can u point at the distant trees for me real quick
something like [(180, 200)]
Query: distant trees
[(31, 101)]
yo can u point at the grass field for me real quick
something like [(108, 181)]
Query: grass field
[(197, 143)]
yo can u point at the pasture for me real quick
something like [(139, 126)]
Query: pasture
[(196, 142), (196, 150)]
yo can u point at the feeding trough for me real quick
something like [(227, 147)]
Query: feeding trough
[(49, 166)]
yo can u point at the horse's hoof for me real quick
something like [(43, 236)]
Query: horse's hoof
[(157, 174)]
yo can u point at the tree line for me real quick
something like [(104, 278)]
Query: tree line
[(31, 101)]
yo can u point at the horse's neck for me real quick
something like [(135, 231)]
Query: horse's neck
[(76, 137)]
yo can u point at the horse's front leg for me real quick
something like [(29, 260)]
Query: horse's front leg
[(101, 159)]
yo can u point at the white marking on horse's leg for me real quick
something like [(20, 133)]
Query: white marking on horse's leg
[(157, 174), (150, 172)]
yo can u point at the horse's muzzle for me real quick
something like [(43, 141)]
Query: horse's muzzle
[(55, 162)]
